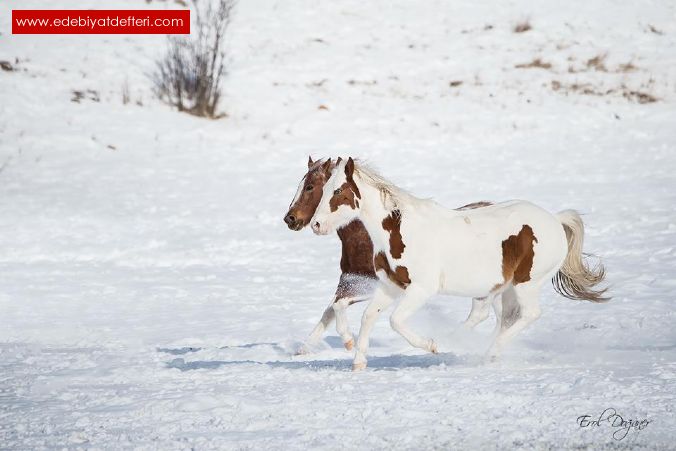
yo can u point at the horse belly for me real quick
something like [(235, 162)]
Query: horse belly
[(472, 272)]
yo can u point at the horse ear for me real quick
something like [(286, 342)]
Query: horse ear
[(339, 160), (310, 162), (326, 167), (349, 168)]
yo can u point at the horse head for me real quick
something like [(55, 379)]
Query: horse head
[(339, 203), (309, 194)]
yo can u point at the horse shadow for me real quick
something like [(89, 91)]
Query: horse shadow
[(382, 363)]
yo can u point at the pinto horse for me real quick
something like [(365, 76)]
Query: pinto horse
[(358, 278), (506, 250)]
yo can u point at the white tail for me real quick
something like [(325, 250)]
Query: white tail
[(576, 280)]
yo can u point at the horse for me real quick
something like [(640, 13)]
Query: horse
[(358, 277), (503, 251)]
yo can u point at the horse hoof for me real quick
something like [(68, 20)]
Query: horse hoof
[(302, 350), (349, 344), (358, 366), (433, 347)]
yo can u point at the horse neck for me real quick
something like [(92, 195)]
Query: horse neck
[(372, 214)]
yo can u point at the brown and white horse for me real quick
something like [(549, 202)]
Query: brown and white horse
[(502, 251), (358, 278)]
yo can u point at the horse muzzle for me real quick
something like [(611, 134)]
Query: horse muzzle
[(320, 229), (293, 222)]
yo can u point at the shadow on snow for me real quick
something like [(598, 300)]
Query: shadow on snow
[(392, 362)]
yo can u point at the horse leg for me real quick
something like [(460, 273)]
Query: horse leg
[(412, 300), (497, 308), (479, 312), (327, 318), (510, 308), (339, 308), (380, 302), (527, 298)]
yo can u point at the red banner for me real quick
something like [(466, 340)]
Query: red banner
[(133, 21)]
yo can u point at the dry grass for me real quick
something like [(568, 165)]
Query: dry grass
[(126, 96), (627, 67), (638, 96), (7, 66), (88, 94), (537, 63), (455, 83), (523, 26), (655, 30), (588, 89), (598, 63)]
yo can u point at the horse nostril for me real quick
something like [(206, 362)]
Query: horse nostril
[(315, 226), (290, 219)]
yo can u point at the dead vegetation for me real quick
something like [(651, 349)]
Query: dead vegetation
[(88, 94), (590, 90), (126, 95), (597, 63), (537, 63), (627, 67), (190, 74), (362, 82), (522, 26), (652, 29)]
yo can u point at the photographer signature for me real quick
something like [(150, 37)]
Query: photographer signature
[(611, 418)]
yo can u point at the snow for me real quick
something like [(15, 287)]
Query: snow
[(151, 296)]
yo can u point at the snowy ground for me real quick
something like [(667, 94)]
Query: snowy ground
[(151, 296)]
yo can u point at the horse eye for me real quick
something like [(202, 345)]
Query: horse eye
[(336, 192), (309, 188)]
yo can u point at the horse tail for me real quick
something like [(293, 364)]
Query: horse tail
[(576, 279)]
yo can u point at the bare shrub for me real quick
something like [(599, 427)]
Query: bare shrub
[(190, 73)]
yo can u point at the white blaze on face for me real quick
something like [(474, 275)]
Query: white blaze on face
[(298, 192), (323, 220)]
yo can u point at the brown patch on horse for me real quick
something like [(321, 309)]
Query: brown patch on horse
[(517, 255), (344, 196), (348, 193), (399, 276), (357, 257), (475, 205), (392, 224)]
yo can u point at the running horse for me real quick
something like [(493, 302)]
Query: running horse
[(358, 277), (503, 253)]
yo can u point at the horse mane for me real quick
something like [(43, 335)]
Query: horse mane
[(391, 195)]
